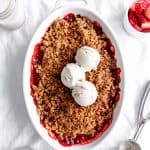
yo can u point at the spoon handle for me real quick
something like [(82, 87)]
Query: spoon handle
[(145, 97), (139, 129), (141, 118)]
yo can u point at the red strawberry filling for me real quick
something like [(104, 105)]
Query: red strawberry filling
[(139, 16), (69, 17), (97, 27), (36, 59)]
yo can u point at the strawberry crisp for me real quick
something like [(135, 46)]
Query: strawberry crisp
[(62, 117)]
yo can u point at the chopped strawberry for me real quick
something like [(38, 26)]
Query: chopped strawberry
[(134, 20), (52, 134), (140, 6), (97, 27), (141, 18), (43, 123), (38, 55), (137, 28), (70, 17), (35, 102), (96, 24), (146, 30), (118, 71), (145, 25), (147, 13), (117, 97), (112, 49)]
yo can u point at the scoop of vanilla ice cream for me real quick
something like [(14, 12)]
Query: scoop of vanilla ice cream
[(88, 58), (71, 75), (84, 93)]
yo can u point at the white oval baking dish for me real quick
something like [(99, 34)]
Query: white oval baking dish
[(31, 108)]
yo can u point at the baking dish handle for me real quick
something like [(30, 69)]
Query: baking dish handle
[(81, 3)]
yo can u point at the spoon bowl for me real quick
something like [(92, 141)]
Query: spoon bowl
[(130, 145)]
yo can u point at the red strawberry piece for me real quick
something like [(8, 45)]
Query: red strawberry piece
[(119, 89), (70, 17), (117, 80), (42, 123), (145, 25), (67, 142), (97, 27), (140, 6), (35, 101), (96, 24), (38, 55), (118, 71), (146, 30), (134, 21), (147, 13), (37, 47), (38, 59), (63, 143), (82, 138), (117, 97), (109, 44), (137, 27), (35, 78), (112, 48), (77, 141), (53, 135), (133, 18), (98, 128), (141, 18)]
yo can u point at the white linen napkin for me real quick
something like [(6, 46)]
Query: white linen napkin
[(16, 130)]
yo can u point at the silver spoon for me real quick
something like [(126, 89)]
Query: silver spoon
[(132, 144)]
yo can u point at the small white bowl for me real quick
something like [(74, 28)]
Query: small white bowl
[(130, 29)]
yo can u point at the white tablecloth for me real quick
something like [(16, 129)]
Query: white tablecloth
[(16, 130)]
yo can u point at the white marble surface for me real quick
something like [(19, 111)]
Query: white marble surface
[(16, 130)]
